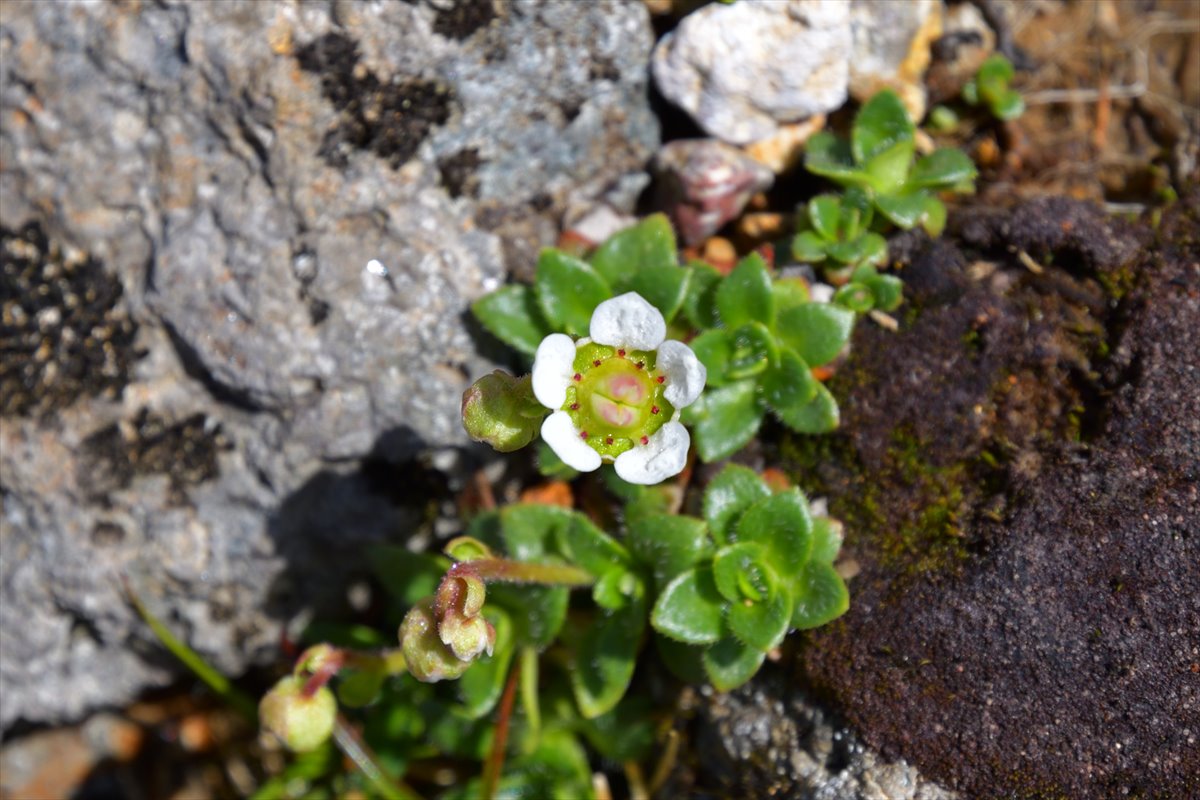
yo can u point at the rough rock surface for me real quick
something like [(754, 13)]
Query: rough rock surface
[(890, 48), (1018, 474), (239, 242), (768, 739), (743, 69)]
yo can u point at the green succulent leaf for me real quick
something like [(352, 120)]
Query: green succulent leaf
[(359, 688), (888, 291), (762, 625), (741, 574), (729, 663), (855, 296), (869, 248), (782, 526), (725, 419), (690, 609), (790, 383), (825, 213), (684, 660), (821, 596), (624, 734), (827, 540), (754, 350), (586, 546), (935, 217), (646, 246), (817, 331), (745, 295), (789, 293), (995, 70), (537, 612), (830, 157), (529, 531), (714, 348), (614, 588), (903, 210), (942, 168), (700, 300), (889, 168), (481, 686), (603, 664), (880, 124), (809, 247), (727, 497), (1007, 105), (568, 291), (820, 415), (664, 287), (511, 314), (669, 544)]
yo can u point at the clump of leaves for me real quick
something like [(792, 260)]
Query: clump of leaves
[(992, 87), (761, 360), (715, 594), (880, 158)]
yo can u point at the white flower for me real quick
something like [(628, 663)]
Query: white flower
[(617, 395)]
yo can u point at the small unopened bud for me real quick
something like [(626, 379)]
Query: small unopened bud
[(458, 604), (500, 409), (322, 659), (302, 723), (427, 658)]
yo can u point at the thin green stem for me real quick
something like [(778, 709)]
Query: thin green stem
[(357, 751), (224, 688)]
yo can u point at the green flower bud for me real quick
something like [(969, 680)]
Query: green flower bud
[(320, 658), (302, 723), (500, 409), (460, 627), (428, 658)]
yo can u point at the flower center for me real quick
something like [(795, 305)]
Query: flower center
[(616, 398)]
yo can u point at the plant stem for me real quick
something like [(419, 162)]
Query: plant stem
[(224, 688), (357, 751), (491, 769), (504, 570)]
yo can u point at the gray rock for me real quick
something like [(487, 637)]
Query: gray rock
[(284, 210), (743, 69), (768, 739)]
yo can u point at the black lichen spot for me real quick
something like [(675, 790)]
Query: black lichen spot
[(105, 534), (460, 173), (62, 335), (602, 68), (390, 119), (463, 18), (185, 451)]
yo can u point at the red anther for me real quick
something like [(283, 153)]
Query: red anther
[(608, 440), (645, 440), (621, 353), (641, 364), (596, 363), (578, 377), (653, 409), (574, 406), (662, 378), (583, 434)]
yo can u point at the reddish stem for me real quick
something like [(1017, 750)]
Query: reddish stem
[(491, 770)]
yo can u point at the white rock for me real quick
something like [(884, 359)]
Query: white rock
[(743, 69), (890, 48)]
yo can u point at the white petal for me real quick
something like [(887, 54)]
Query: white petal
[(820, 293), (663, 457), (560, 433), (685, 374), (628, 321), (553, 366)]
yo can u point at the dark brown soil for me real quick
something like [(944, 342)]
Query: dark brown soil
[(1020, 477)]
